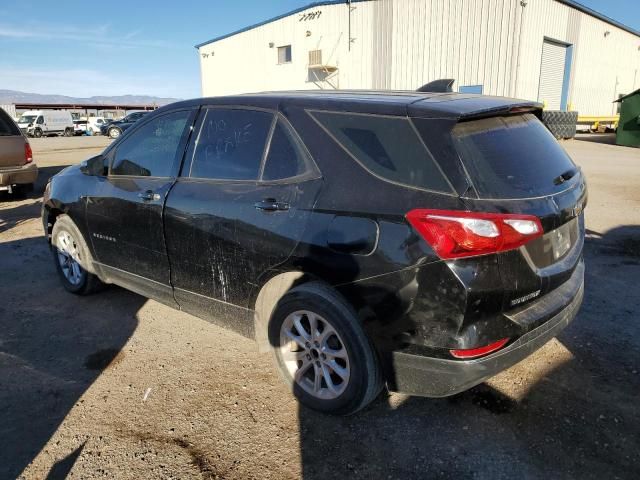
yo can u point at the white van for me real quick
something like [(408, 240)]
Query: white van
[(94, 124), (37, 123)]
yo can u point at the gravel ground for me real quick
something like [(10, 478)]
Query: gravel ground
[(118, 386)]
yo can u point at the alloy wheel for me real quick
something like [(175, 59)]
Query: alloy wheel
[(314, 355), (68, 258)]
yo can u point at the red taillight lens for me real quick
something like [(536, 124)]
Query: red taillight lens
[(455, 234), (480, 351), (28, 153)]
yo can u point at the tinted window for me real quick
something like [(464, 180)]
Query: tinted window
[(231, 144), (7, 127), (511, 157), (151, 150), (387, 146), (286, 158)]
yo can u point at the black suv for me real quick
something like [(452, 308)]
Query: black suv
[(114, 129), (422, 241)]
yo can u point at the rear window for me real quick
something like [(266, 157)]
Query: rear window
[(388, 147), (7, 127), (511, 157)]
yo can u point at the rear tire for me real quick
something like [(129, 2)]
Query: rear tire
[(72, 258), (322, 351), (68, 132)]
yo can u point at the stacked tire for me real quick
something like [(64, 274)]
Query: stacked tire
[(560, 124)]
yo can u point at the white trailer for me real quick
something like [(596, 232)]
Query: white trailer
[(10, 109)]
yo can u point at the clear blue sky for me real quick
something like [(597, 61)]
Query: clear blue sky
[(139, 46)]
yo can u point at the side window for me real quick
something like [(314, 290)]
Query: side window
[(284, 54), (231, 144), (40, 120), (151, 150), (286, 158), (387, 146)]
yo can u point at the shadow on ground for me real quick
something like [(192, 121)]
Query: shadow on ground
[(578, 416), (53, 346), (23, 207), (44, 174)]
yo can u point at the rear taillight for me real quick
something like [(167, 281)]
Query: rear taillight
[(480, 351), (28, 153), (456, 234)]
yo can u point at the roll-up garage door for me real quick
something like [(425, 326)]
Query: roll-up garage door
[(554, 56)]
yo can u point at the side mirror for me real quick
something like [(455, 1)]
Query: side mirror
[(94, 166)]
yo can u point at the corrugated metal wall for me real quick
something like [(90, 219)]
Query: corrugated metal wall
[(402, 44)]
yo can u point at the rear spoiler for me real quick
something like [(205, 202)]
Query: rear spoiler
[(509, 109)]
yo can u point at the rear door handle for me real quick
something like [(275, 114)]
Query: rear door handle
[(148, 196), (271, 205)]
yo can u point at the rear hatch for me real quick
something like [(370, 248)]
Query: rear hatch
[(514, 165), (12, 143)]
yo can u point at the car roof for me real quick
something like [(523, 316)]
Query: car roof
[(382, 102)]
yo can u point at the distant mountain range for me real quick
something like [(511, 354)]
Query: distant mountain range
[(13, 96)]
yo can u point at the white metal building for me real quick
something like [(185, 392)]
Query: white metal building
[(555, 51)]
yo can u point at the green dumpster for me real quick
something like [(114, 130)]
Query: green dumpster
[(629, 123)]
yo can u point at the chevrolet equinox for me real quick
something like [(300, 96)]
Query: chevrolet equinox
[(422, 241)]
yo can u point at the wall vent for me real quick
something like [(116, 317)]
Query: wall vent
[(315, 57)]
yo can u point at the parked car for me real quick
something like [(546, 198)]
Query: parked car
[(422, 241), (18, 171), (115, 129), (94, 124), (79, 127), (36, 123)]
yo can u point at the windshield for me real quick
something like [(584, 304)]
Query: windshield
[(27, 119), (512, 157)]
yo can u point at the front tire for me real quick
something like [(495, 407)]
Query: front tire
[(72, 258), (114, 133), (322, 351), (37, 133)]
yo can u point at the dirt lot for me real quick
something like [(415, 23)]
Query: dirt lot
[(117, 386)]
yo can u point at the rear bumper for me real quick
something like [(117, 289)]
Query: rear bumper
[(19, 175), (438, 377)]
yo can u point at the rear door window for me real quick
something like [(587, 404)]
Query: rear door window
[(7, 126), (231, 144), (511, 157), (389, 147)]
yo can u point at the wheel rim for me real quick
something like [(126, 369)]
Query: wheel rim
[(114, 133), (68, 258), (314, 355)]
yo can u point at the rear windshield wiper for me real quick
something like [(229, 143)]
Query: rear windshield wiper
[(563, 177)]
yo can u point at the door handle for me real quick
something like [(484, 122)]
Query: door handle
[(271, 205), (148, 196)]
